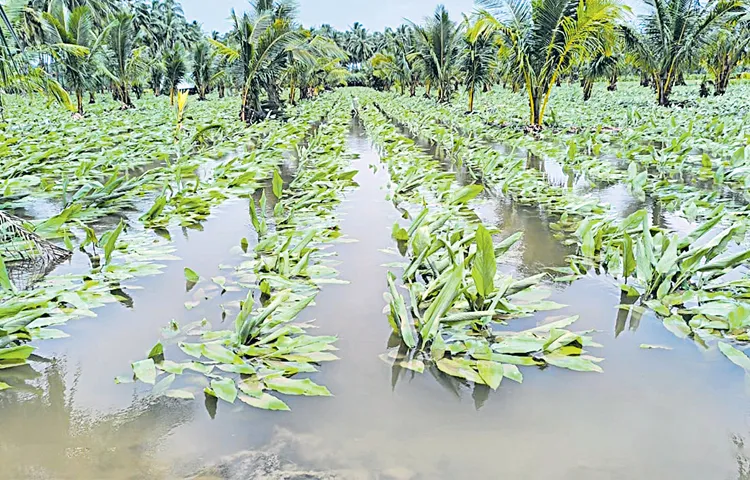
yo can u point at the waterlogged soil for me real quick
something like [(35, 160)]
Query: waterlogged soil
[(678, 413)]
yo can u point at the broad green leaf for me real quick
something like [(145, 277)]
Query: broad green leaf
[(401, 315), (735, 356), (739, 317), (16, 353), (109, 247), (156, 351), (5, 282), (484, 266), (512, 372), (668, 259), (442, 303), (399, 233), (578, 363), (519, 344), (225, 389), (676, 324), (219, 353), (265, 401), (191, 278), (278, 184), (145, 371), (465, 194), (293, 386), (491, 373), (457, 369)]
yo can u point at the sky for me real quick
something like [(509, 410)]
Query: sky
[(341, 14)]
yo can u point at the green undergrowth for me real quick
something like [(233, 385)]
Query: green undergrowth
[(450, 307), (266, 348)]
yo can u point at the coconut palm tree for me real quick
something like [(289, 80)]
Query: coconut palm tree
[(396, 62), (726, 49), (73, 43), (477, 57), (126, 63), (437, 50), (671, 35), (15, 72), (203, 66), (358, 44), (262, 45), (174, 70), (544, 39), (604, 64)]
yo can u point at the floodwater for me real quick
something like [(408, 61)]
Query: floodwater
[(652, 414)]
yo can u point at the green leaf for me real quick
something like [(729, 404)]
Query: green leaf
[(156, 351), (21, 352), (225, 389), (578, 363), (145, 371), (5, 282), (669, 258), (278, 184), (491, 373), (442, 303), (218, 353), (399, 234), (265, 401), (292, 386), (739, 317), (735, 356), (457, 369), (401, 315), (192, 349), (109, 247), (512, 372), (465, 194), (484, 267), (676, 324), (191, 278)]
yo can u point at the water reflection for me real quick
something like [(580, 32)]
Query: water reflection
[(47, 436)]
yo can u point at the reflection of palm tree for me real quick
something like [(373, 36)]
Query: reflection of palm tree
[(45, 435)]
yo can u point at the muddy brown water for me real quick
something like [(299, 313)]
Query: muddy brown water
[(652, 413)]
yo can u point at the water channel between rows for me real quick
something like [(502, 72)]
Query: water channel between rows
[(652, 413)]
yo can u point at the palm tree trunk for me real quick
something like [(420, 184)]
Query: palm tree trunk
[(663, 89), (92, 98), (588, 85), (471, 99), (171, 96), (125, 97), (79, 100), (612, 82), (292, 91), (722, 79), (429, 87)]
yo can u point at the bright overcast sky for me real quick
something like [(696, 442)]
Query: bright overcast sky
[(341, 14)]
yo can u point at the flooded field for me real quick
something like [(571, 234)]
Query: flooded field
[(676, 412)]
